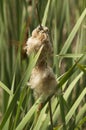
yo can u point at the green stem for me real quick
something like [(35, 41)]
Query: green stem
[(50, 110)]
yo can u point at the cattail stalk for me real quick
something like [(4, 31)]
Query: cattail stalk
[(42, 80)]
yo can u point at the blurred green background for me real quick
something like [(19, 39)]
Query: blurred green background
[(66, 20)]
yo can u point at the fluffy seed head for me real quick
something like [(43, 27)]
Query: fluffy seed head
[(39, 37), (43, 81)]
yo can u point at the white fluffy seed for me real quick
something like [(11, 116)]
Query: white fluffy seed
[(43, 81)]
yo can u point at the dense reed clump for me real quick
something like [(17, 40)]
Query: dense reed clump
[(66, 20)]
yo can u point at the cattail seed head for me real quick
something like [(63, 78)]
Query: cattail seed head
[(39, 37), (43, 81)]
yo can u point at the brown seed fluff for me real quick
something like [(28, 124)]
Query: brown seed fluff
[(39, 37), (42, 79)]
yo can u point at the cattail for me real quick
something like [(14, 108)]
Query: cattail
[(40, 37), (42, 80)]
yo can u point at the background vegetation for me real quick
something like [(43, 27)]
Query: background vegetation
[(66, 20)]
